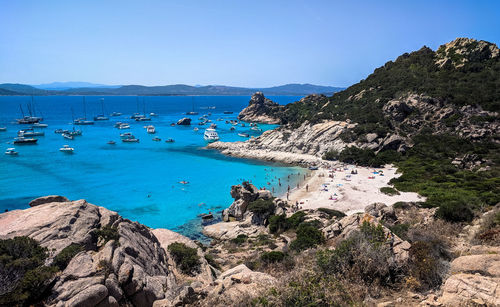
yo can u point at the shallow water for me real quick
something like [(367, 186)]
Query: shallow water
[(138, 180)]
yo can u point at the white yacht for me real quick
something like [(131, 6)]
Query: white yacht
[(67, 149), (124, 126), (211, 135), (151, 129), (11, 152)]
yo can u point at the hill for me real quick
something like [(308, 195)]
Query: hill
[(71, 88)]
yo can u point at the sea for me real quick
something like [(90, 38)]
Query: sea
[(159, 184)]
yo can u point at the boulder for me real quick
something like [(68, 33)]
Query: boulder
[(381, 211), (370, 137), (184, 121), (48, 199), (260, 109), (90, 296), (471, 289), (243, 195)]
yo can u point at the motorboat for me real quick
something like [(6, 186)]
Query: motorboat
[(29, 133), (124, 126), (153, 114), (67, 149), (244, 135), (169, 140), (255, 128), (126, 135), (82, 122), (111, 142), (23, 140), (115, 114), (211, 135), (40, 125), (142, 118), (232, 128), (75, 132), (196, 129), (172, 125), (151, 129), (130, 140), (3, 129), (156, 139), (11, 152), (136, 115), (213, 126), (68, 136), (117, 124)]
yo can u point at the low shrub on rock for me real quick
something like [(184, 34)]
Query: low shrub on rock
[(308, 236), (272, 257), (185, 257), (240, 239), (389, 191), (261, 206), (332, 212), (108, 233), (64, 257)]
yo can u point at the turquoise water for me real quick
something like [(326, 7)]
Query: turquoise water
[(138, 180)]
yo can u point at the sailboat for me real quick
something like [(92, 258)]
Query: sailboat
[(32, 118), (83, 121), (101, 116), (143, 117), (192, 112)]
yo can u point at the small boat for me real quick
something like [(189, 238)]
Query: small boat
[(59, 131), (68, 136), (192, 113), (172, 125), (244, 135), (153, 114), (213, 126), (219, 119), (3, 128), (313, 168), (124, 126), (101, 116), (207, 216), (23, 140), (169, 140), (228, 112), (255, 128), (29, 133), (131, 140), (67, 149), (151, 129), (115, 114), (117, 124), (232, 128), (26, 120), (156, 139), (136, 115), (11, 152), (75, 132), (242, 125), (40, 125), (82, 122), (196, 129), (111, 142), (126, 135), (142, 118), (184, 182), (211, 135)]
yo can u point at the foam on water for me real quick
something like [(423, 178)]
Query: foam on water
[(138, 180)]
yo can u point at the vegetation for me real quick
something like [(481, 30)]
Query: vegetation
[(272, 257), (389, 191), (280, 223), (185, 257), (261, 206), (24, 277), (240, 239), (307, 236), (108, 233), (64, 257), (332, 212), (211, 260)]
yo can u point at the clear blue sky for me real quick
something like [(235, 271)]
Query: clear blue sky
[(239, 43)]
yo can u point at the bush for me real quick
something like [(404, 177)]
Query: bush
[(296, 219), (272, 257), (331, 155), (332, 212), (308, 236), (24, 277), (211, 260), (278, 224), (389, 191), (455, 211), (108, 233), (185, 257), (400, 230), (261, 206), (424, 266), (64, 257), (240, 239)]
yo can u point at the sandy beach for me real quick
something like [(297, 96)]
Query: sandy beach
[(337, 188)]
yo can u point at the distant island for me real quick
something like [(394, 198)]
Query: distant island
[(83, 88)]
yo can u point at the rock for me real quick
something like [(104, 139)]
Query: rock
[(486, 264), (243, 194), (370, 137), (48, 199), (261, 110), (184, 121), (108, 302), (381, 211), (90, 296), (134, 270), (463, 289), (392, 142)]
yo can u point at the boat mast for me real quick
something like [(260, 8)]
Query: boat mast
[(102, 105), (21, 107), (144, 106), (84, 109)]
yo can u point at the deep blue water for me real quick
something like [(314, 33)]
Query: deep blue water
[(138, 180)]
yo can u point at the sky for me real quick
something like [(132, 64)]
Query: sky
[(237, 43)]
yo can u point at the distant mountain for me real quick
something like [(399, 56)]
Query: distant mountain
[(66, 88), (61, 86)]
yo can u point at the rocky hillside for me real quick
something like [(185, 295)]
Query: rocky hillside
[(453, 90)]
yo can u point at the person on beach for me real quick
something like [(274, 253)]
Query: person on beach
[(287, 195), (288, 190), (307, 187)]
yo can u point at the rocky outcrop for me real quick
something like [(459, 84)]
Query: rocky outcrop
[(261, 110), (47, 199), (463, 50), (343, 228), (133, 270), (184, 121)]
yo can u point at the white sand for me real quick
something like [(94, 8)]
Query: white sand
[(353, 193)]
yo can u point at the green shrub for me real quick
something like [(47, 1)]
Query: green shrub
[(332, 212), (296, 219), (185, 257), (308, 236), (64, 257), (424, 266), (331, 155), (25, 279), (211, 260), (240, 239), (108, 233), (455, 211), (400, 230), (389, 191), (272, 257), (261, 206), (278, 224)]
